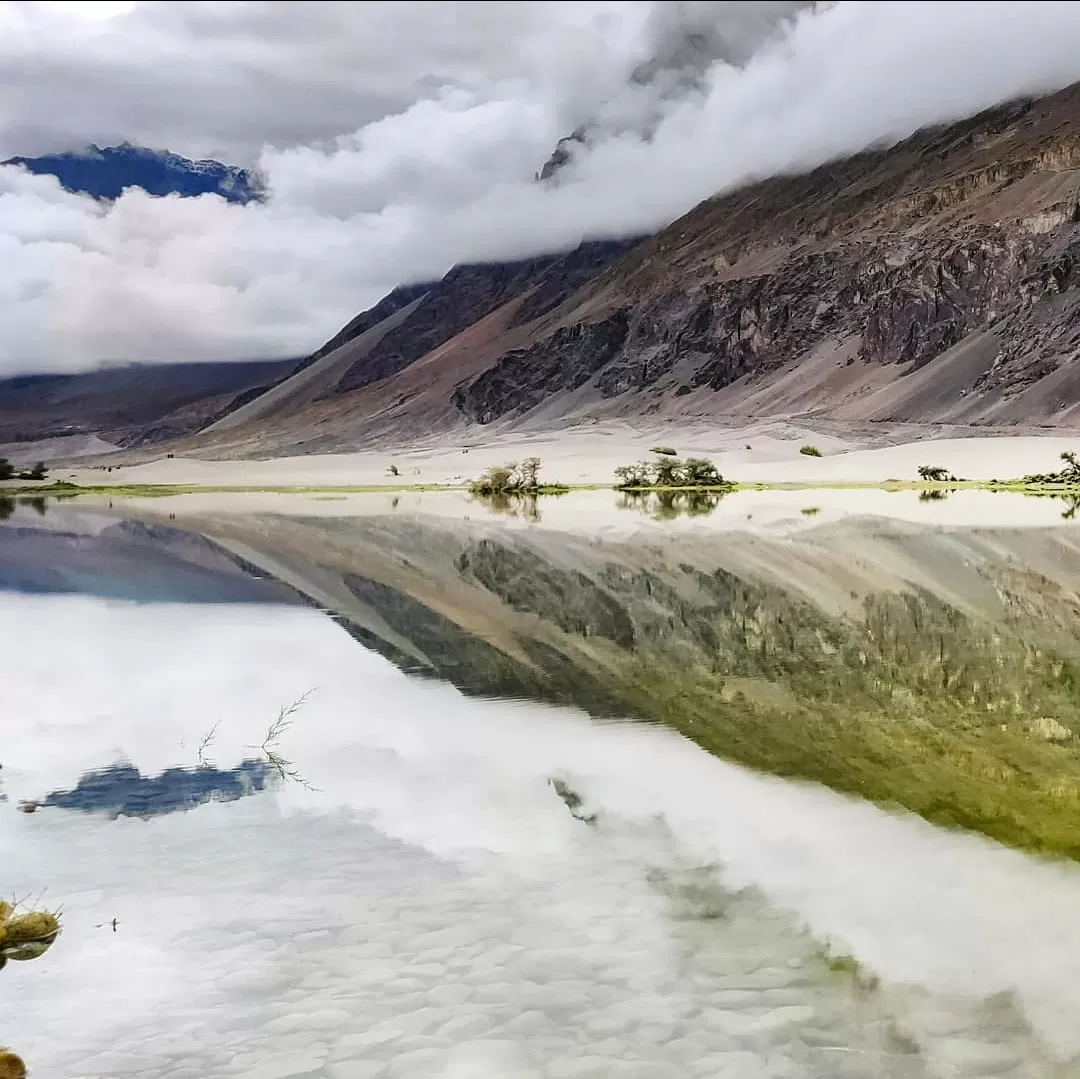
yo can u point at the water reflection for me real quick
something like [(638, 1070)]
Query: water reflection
[(513, 504), (425, 904), (122, 791), (667, 505), (912, 667)]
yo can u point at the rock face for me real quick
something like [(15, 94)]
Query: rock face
[(931, 282), (417, 321), (469, 293), (525, 377), (104, 172), (934, 282), (900, 255)]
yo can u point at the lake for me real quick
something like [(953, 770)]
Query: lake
[(385, 786)]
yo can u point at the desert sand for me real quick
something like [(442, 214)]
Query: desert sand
[(766, 453)]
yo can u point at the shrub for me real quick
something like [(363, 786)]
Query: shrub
[(529, 473), (38, 472), (498, 479), (698, 472), (934, 473), (668, 472), (393, 470), (1070, 474), (667, 451), (6, 470), (639, 475), (514, 479), (809, 451)]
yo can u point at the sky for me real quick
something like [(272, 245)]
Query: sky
[(397, 139)]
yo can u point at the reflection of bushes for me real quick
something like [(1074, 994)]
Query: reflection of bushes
[(526, 505), (665, 505), (671, 473), (7, 508)]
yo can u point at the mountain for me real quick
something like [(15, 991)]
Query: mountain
[(935, 281), (125, 406), (426, 330), (104, 173)]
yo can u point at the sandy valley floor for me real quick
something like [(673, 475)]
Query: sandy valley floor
[(768, 452)]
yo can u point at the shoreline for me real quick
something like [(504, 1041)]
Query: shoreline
[(161, 490), (587, 458)]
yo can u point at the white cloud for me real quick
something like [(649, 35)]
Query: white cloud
[(439, 169)]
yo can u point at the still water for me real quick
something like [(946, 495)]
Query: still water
[(477, 848)]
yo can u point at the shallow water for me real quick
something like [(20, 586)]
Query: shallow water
[(413, 898)]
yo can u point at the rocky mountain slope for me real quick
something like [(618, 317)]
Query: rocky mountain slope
[(931, 282), (126, 406)]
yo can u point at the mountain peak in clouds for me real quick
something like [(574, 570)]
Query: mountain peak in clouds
[(104, 173)]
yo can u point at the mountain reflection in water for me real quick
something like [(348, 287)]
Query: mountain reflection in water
[(122, 791), (426, 905), (934, 669)]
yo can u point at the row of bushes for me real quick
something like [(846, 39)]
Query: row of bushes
[(670, 472), (9, 472), (666, 472), (1070, 474)]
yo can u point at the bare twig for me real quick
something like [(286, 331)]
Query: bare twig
[(205, 744), (285, 768)]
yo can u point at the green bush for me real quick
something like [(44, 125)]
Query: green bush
[(809, 451), (631, 476), (698, 472), (498, 479), (667, 451), (514, 479), (669, 472), (935, 474), (1070, 474)]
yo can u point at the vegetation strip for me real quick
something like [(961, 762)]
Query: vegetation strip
[(666, 473)]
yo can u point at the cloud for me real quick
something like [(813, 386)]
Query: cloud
[(399, 139)]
